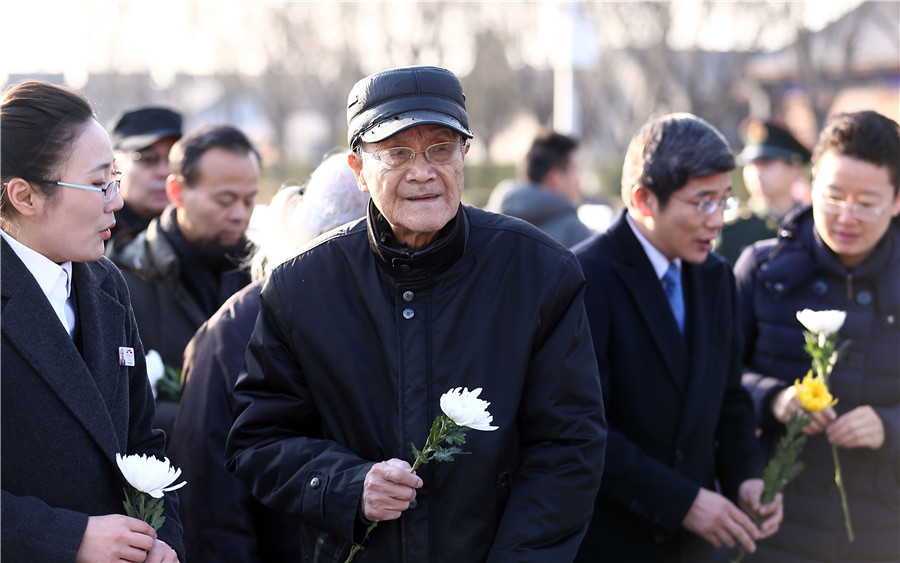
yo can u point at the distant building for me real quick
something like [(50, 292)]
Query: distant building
[(849, 65)]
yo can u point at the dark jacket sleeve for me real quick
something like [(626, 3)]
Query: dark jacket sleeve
[(563, 436), (26, 521), (762, 388), (738, 454), (143, 438), (217, 505), (273, 445)]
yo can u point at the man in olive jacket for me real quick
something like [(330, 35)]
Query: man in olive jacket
[(360, 334)]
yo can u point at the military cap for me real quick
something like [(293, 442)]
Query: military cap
[(765, 139)]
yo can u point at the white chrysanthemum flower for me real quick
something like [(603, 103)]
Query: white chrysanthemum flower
[(148, 474), (466, 409), (822, 323), (155, 368)]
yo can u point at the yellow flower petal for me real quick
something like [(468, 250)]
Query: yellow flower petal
[(813, 394)]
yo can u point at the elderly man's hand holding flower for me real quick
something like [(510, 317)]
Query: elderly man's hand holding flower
[(390, 486)]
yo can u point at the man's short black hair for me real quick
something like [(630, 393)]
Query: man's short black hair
[(186, 152), (671, 150), (549, 151)]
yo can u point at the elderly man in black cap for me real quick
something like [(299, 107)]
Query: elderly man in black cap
[(774, 163), (142, 139), (360, 334)]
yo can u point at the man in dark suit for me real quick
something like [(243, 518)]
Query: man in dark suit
[(683, 467)]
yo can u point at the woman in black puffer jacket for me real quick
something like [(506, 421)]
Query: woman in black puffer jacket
[(842, 253)]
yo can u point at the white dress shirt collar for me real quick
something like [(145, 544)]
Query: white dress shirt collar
[(657, 259), (46, 272)]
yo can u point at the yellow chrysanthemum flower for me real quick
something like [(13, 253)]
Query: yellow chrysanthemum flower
[(813, 394)]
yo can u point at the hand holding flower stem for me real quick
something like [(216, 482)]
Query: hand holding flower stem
[(783, 466), (814, 396), (462, 411), (821, 345)]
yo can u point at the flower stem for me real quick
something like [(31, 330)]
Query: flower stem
[(838, 479), (428, 449), (356, 548)]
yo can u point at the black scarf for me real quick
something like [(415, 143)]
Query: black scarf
[(211, 272)]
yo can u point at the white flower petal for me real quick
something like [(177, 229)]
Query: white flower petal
[(148, 474), (822, 322), (466, 409), (155, 367)]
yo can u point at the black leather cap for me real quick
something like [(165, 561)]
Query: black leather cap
[(138, 129), (764, 139), (390, 101)]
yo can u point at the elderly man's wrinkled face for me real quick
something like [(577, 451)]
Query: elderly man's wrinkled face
[(144, 176), (419, 199)]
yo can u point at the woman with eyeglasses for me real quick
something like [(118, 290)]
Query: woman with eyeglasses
[(841, 253), (74, 384)]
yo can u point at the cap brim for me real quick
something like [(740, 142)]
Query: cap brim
[(408, 119), (138, 142), (757, 152)]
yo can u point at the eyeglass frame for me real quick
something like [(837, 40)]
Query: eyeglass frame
[(854, 208), (461, 145), (106, 190), (138, 156), (726, 204)]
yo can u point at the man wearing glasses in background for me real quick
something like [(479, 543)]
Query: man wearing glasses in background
[(142, 139), (842, 253), (683, 466), (361, 333)]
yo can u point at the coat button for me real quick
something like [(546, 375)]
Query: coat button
[(408, 296), (819, 287), (314, 482), (413, 503), (779, 286), (404, 268), (864, 297), (890, 319), (408, 314)]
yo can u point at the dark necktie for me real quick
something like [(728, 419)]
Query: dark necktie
[(672, 284)]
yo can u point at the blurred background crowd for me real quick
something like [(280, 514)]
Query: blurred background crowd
[(597, 70)]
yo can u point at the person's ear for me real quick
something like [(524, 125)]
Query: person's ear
[(643, 198), (173, 189), (895, 207), (354, 160), (552, 179), (23, 197)]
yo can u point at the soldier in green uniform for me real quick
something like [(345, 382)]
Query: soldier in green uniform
[(773, 162)]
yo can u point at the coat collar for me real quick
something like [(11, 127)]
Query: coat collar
[(810, 255), (409, 265), (33, 330)]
